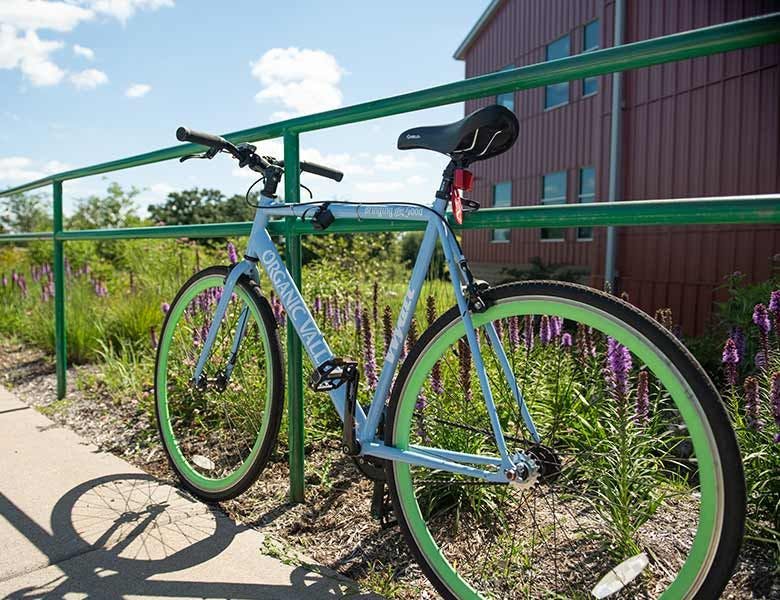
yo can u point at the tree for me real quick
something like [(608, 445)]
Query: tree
[(114, 209), (195, 206), (25, 213)]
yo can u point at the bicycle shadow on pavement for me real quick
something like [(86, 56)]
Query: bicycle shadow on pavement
[(130, 534)]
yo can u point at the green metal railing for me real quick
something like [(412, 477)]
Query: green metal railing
[(700, 42)]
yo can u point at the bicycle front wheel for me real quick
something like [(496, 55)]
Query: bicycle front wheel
[(219, 435), (639, 491)]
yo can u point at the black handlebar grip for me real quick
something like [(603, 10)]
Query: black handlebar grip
[(322, 171), (196, 137)]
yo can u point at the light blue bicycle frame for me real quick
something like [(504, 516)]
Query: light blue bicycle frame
[(261, 249)]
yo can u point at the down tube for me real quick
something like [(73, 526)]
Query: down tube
[(368, 432), (262, 246)]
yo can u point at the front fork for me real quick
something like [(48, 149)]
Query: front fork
[(511, 464), (245, 267)]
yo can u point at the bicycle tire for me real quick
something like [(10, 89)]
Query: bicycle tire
[(724, 531), (242, 476)]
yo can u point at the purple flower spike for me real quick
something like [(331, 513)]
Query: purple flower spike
[(232, 254), (430, 314), (387, 327), (514, 332), (545, 331), (761, 319), (499, 325), (619, 365), (5, 280), (731, 360), (528, 333), (358, 317), (730, 352), (278, 311), (738, 336), (774, 302), (317, 305), (556, 326), (774, 402), (464, 363), (165, 307), (752, 404), (566, 340), (642, 399), (369, 354), (774, 309)]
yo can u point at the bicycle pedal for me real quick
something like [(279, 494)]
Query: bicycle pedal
[(332, 374)]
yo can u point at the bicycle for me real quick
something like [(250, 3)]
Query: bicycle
[(541, 438)]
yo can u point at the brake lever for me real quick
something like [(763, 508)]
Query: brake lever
[(210, 153)]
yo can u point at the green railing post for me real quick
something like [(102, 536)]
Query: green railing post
[(294, 351), (59, 292)]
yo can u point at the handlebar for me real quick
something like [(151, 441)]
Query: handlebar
[(322, 171), (184, 134)]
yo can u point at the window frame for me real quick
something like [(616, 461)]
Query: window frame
[(580, 200), (508, 230), (511, 94), (566, 36), (585, 49), (554, 200)]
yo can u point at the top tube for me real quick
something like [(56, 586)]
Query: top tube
[(359, 211)]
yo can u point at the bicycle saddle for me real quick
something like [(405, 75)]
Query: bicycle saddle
[(485, 133)]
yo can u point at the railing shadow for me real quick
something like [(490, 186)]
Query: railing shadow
[(112, 535)]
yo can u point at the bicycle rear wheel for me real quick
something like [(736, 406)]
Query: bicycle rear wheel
[(640, 491), (219, 436)]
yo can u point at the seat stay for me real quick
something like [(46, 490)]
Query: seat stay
[(455, 259)]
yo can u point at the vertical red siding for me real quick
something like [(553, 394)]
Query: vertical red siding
[(701, 127)]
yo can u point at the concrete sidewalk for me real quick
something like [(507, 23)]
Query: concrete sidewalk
[(79, 523)]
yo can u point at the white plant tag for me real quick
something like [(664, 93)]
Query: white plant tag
[(203, 462), (620, 576)]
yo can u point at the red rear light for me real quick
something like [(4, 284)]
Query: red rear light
[(464, 179)]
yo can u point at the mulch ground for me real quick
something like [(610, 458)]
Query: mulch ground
[(333, 527)]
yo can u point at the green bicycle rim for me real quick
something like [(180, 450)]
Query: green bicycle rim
[(711, 508), (182, 464)]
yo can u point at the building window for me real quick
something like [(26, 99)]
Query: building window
[(587, 193), (590, 41), (558, 93), (553, 192), (502, 197), (507, 99)]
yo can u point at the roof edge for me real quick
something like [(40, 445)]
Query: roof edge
[(476, 29)]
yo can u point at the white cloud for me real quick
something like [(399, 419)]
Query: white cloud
[(84, 52), (379, 186), (40, 14), (388, 162), (18, 168), (21, 168), (416, 180), (30, 54), (88, 79), (122, 10), (55, 166), (304, 81), (138, 90)]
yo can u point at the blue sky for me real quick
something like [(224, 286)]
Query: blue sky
[(86, 81)]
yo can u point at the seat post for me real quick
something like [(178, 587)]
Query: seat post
[(446, 181)]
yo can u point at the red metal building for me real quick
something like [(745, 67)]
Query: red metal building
[(703, 127)]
